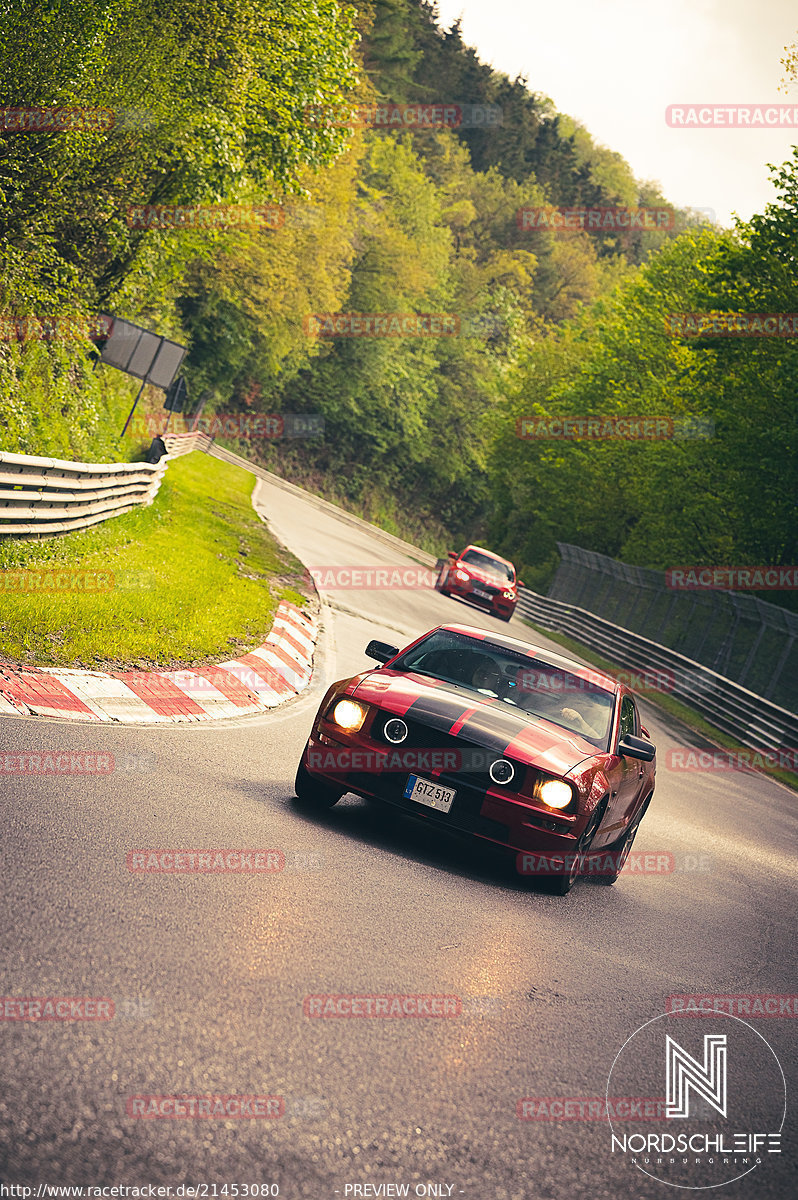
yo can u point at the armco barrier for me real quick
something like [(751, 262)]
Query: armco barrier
[(42, 497), (183, 443), (736, 634), (751, 720)]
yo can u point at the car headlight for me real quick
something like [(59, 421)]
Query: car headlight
[(509, 595), (349, 715), (555, 794), (461, 575)]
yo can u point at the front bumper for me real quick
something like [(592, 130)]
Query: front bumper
[(488, 812), (496, 603)]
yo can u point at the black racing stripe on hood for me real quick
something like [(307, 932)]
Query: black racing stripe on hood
[(439, 712), (494, 727)]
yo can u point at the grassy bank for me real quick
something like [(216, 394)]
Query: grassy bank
[(194, 578)]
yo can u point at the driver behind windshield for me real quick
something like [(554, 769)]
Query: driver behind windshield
[(487, 677), (549, 703)]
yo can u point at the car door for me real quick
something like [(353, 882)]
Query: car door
[(625, 776)]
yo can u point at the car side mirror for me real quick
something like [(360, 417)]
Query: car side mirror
[(381, 651), (520, 583), (636, 747), (644, 731), (451, 554)]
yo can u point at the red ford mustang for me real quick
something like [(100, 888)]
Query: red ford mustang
[(490, 736), (482, 578)]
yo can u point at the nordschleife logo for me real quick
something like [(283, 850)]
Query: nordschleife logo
[(724, 1101)]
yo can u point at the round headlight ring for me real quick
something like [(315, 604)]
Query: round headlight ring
[(502, 771), (395, 731)]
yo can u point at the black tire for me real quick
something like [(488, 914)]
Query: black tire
[(314, 794), (621, 851), (560, 885)]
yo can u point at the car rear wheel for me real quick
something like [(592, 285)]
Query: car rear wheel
[(312, 793)]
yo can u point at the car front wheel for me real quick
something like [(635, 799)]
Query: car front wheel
[(560, 885), (312, 793), (621, 853)]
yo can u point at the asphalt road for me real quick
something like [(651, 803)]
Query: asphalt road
[(208, 973)]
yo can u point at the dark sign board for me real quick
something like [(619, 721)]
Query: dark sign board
[(148, 356)]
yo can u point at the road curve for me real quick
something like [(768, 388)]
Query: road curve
[(208, 971)]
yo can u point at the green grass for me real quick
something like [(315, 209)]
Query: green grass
[(663, 701), (197, 578)]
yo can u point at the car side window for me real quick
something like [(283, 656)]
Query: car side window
[(628, 717)]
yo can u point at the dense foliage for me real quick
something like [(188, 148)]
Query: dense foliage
[(242, 103)]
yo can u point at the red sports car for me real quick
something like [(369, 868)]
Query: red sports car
[(481, 578), (487, 735)]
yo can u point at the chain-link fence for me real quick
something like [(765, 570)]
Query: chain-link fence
[(741, 637)]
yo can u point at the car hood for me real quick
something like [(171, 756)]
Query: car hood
[(479, 720)]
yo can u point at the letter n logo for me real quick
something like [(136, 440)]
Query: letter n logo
[(684, 1072)]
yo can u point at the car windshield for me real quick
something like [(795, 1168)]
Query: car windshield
[(484, 562), (522, 681)]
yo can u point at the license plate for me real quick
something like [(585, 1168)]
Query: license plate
[(483, 595), (434, 795)]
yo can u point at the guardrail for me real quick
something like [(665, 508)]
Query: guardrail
[(752, 721), (736, 634), (43, 497), (183, 443)]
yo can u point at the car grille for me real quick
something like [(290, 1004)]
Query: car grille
[(470, 782)]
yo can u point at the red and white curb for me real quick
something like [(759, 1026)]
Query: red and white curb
[(262, 679)]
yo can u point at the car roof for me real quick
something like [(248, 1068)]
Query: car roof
[(490, 554), (501, 641)]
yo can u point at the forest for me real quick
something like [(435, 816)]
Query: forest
[(343, 213)]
